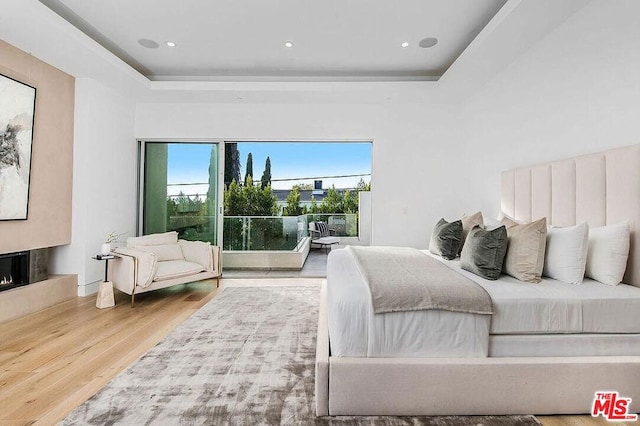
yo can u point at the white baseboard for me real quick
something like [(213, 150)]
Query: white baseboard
[(88, 289)]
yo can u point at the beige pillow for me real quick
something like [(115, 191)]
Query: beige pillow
[(170, 237), (468, 222), (508, 222), (525, 252), (164, 252)]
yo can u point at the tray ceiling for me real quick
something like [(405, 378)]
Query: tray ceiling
[(356, 40)]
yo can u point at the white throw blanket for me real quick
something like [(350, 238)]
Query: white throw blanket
[(405, 279)]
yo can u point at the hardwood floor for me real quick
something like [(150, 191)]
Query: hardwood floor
[(55, 359), (576, 421)]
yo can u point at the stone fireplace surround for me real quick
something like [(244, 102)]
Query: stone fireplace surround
[(27, 299), (51, 183), (32, 288), (23, 268)]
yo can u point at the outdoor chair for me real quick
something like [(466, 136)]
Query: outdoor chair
[(322, 235)]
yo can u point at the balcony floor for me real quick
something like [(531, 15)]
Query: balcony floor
[(314, 267)]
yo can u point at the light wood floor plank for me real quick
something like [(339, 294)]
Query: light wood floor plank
[(54, 360), (73, 349), (577, 421)]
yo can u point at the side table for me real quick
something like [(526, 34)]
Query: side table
[(105, 297)]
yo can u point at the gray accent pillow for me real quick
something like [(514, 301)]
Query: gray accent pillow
[(446, 239), (483, 252)]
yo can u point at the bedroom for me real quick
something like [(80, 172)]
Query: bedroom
[(564, 84)]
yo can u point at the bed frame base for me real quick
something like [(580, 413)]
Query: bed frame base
[(466, 386)]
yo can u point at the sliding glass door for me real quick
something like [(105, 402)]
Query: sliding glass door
[(180, 189)]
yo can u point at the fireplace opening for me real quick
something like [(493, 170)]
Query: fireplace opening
[(14, 270)]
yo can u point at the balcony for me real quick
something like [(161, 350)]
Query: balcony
[(263, 233), (277, 242)]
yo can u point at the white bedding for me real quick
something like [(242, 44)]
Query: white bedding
[(562, 345), (355, 331), (550, 307)]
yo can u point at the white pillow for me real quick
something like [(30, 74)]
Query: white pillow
[(608, 252), (566, 254)]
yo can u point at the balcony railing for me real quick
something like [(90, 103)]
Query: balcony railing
[(344, 225), (194, 227), (263, 232), (243, 233)]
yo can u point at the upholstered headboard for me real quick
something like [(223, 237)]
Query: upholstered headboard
[(601, 188)]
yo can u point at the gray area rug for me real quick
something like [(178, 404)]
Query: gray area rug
[(246, 358)]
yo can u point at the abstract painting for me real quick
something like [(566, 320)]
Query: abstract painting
[(17, 107)]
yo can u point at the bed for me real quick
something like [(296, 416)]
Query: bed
[(546, 350)]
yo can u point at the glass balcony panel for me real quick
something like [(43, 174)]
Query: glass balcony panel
[(262, 232), (242, 233), (343, 224)]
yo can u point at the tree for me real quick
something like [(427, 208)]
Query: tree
[(231, 163), (249, 169), (314, 205), (249, 200), (332, 203), (266, 176), (171, 208), (234, 200), (350, 202), (363, 186), (303, 186), (293, 204), (251, 233)]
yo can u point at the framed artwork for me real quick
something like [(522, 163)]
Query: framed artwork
[(17, 109)]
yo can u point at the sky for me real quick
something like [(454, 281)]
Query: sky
[(189, 163), (309, 160)]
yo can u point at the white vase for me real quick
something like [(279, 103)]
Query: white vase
[(105, 249)]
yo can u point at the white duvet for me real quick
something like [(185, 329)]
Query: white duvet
[(550, 307), (354, 330)]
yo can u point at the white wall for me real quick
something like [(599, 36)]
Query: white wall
[(104, 184), (576, 91), (401, 195), (572, 91)]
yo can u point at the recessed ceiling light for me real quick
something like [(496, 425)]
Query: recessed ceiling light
[(288, 44), (171, 44), (428, 42), (149, 44), (405, 44)]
